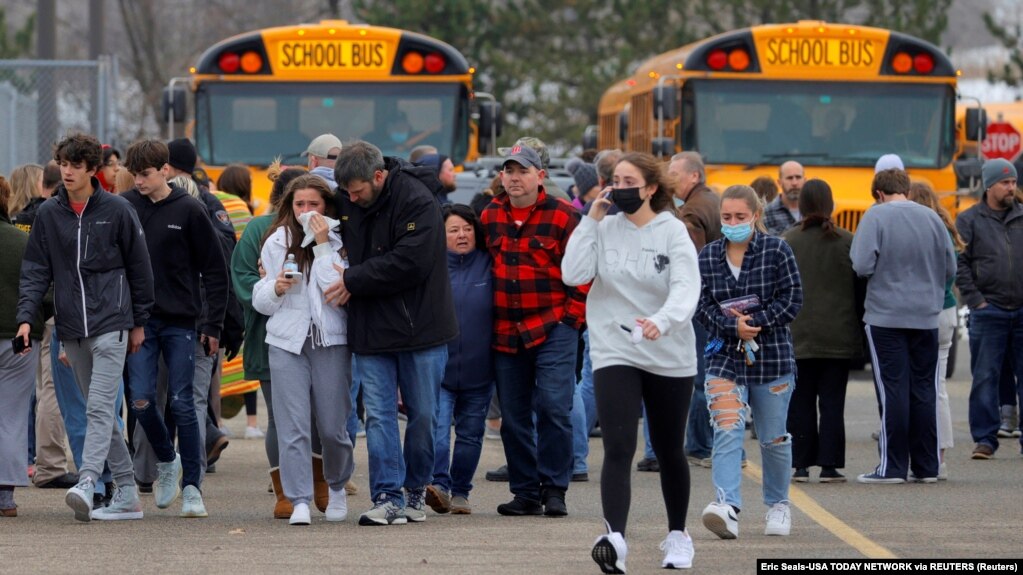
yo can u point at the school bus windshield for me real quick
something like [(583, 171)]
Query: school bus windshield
[(253, 122), (819, 123)]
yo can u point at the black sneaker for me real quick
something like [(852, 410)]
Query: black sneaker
[(584, 476), (649, 464), (554, 504), (801, 475), (518, 507), (499, 474), (831, 475), (145, 487), (66, 481)]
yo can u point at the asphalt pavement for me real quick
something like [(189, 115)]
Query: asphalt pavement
[(975, 514)]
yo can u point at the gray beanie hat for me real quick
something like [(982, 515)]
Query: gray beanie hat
[(585, 175), (997, 170)]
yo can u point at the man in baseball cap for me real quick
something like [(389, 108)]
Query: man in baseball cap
[(538, 146), (322, 153)]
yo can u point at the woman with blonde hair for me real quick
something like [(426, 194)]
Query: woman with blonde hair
[(922, 193), (751, 292), (26, 191)]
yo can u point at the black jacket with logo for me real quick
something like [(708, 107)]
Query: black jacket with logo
[(397, 250), (182, 246), (98, 264)]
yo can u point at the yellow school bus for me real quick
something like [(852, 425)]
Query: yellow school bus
[(269, 92), (834, 97)]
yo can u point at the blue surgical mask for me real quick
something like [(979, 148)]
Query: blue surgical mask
[(737, 233), (398, 137)]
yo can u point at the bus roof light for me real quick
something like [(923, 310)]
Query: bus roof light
[(229, 62), (717, 60), (412, 63), (251, 62), (435, 63), (923, 63), (738, 60), (902, 63)]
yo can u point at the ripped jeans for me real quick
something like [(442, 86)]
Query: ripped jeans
[(728, 403)]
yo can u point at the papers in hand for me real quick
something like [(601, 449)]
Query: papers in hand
[(304, 219)]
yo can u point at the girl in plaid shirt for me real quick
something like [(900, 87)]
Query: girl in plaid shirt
[(751, 293)]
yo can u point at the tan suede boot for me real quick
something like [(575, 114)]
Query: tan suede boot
[(282, 509), (321, 491)]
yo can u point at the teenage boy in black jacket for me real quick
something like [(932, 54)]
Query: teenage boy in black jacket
[(183, 247), (90, 246)]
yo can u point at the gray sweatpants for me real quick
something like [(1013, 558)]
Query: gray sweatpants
[(98, 363), (17, 380), (145, 458), (316, 381)]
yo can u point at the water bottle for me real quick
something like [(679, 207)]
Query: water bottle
[(290, 266)]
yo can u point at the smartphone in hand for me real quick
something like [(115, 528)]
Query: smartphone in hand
[(18, 344)]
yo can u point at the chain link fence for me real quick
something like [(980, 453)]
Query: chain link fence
[(43, 100)]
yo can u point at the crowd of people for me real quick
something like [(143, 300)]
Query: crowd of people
[(639, 294)]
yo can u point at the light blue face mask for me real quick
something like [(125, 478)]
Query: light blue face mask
[(399, 137), (737, 233), (679, 202)]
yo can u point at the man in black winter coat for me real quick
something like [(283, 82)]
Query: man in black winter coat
[(400, 319)]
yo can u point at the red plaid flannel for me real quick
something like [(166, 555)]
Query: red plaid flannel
[(529, 298)]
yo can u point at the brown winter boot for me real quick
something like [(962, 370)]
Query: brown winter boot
[(321, 491), (283, 508)]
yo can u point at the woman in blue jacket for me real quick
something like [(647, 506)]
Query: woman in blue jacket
[(469, 376)]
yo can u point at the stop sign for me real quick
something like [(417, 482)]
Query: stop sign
[(1002, 141)]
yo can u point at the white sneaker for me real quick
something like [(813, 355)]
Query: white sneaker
[(678, 550), (124, 505), (300, 515), (720, 518), (168, 482), (254, 433), (609, 551), (337, 507), (779, 520), (192, 504)]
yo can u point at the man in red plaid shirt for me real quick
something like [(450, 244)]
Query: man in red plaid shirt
[(536, 332)]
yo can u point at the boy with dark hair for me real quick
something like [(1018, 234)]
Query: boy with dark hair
[(179, 240), (91, 247)]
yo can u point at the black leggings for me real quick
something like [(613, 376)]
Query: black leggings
[(621, 392)]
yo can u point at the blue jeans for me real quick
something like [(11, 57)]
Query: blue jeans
[(584, 412), (699, 434), (543, 376), (72, 409), (469, 411), (177, 346), (993, 333), (770, 401), (418, 375), (352, 424)]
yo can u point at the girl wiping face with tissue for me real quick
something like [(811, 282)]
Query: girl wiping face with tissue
[(308, 345)]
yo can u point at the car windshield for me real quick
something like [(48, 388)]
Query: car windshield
[(252, 123), (819, 123)]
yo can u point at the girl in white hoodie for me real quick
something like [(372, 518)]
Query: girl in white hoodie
[(646, 284), (310, 362)]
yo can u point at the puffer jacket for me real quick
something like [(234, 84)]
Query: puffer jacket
[(98, 264), (292, 314)]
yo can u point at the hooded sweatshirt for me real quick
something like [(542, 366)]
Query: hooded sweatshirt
[(182, 246), (648, 272)]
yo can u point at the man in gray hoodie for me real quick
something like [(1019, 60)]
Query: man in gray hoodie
[(906, 253)]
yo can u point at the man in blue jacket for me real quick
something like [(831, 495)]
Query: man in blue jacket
[(400, 319), (90, 245)]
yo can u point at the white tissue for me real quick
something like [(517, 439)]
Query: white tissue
[(309, 236)]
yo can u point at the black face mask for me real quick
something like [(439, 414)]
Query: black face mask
[(627, 199)]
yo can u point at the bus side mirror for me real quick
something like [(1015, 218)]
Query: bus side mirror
[(590, 137), (662, 147), (623, 125), (490, 124), (665, 102), (976, 122), (173, 102), (968, 174)]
